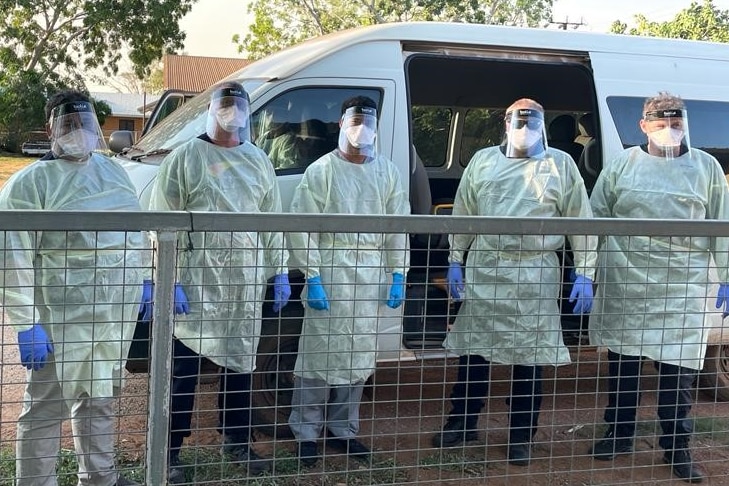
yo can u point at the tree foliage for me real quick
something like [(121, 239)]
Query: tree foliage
[(69, 36), (281, 23), (700, 21), (46, 45)]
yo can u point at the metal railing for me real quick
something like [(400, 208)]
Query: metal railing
[(407, 401)]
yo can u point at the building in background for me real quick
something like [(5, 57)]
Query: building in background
[(127, 111)]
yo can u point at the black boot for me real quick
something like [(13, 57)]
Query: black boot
[(519, 454), (683, 467), (610, 446), (456, 430)]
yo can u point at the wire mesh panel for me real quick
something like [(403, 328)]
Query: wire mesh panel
[(502, 385), (70, 302)]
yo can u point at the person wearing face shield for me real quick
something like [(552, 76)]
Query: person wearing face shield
[(222, 277), (352, 280), (512, 283), (73, 298), (652, 297)]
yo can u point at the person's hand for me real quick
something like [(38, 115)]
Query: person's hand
[(397, 291), (455, 281), (34, 347), (582, 293), (145, 307), (722, 299), (182, 306), (316, 297), (281, 291)]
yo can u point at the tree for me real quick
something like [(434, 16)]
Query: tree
[(67, 36), (46, 45), (129, 82), (281, 23), (700, 21)]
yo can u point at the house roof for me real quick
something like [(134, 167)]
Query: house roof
[(197, 73), (126, 104)]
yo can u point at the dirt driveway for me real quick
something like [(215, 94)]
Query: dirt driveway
[(406, 406)]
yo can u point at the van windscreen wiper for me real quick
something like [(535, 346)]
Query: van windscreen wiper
[(149, 154)]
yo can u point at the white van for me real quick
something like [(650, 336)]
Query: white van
[(441, 89)]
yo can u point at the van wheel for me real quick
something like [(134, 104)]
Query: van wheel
[(714, 378), (273, 382)]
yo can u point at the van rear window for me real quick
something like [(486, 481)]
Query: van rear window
[(431, 127), (708, 124)]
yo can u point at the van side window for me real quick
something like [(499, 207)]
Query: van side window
[(431, 129), (299, 126), (482, 127), (708, 124)]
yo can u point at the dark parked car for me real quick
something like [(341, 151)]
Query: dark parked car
[(38, 147)]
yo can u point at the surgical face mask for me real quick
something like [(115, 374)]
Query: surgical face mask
[(666, 138), (524, 138), (76, 144), (228, 118), (360, 136)]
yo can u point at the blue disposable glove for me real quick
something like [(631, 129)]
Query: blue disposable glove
[(182, 306), (397, 291), (582, 293), (145, 307), (34, 347), (316, 297), (455, 281), (722, 299), (281, 291)]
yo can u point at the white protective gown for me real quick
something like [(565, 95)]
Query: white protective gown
[(510, 314), (339, 346), (82, 286), (224, 274), (655, 296)]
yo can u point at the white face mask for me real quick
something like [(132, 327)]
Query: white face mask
[(228, 119), (666, 137), (524, 138), (360, 136), (76, 144)]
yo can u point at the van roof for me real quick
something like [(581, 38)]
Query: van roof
[(290, 60)]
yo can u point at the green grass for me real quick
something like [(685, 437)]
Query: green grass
[(207, 466), (456, 462), (715, 429)]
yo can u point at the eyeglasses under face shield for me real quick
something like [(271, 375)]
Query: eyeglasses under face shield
[(524, 133)]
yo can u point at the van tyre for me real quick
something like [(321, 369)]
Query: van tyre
[(714, 378)]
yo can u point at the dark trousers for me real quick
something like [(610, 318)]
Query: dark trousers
[(234, 399), (674, 399), (469, 394)]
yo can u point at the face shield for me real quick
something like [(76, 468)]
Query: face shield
[(229, 113), (667, 132), (75, 131), (525, 135), (358, 132)]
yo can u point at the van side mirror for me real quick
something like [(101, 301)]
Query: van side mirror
[(120, 139)]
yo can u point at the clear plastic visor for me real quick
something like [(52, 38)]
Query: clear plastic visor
[(229, 114), (667, 132), (358, 131), (525, 134), (75, 130)]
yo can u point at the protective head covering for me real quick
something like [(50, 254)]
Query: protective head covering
[(229, 111), (358, 131), (667, 132), (525, 133), (75, 131)]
